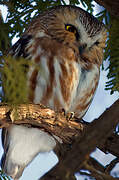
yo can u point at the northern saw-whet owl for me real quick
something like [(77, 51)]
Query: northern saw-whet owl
[(67, 44)]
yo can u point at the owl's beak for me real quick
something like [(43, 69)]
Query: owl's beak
[(82, 48)]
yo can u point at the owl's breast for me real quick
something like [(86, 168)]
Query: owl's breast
[(58, 79), (54, 83), (88, 82)]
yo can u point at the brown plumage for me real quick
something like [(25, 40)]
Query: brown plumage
[(66, 44)]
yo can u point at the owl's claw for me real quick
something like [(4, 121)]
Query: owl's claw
[(70, 115)]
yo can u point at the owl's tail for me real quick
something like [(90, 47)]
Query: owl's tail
[(10, 168)]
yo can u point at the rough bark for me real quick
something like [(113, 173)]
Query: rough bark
[(55, 123)]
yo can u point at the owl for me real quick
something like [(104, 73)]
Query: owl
[(66, 43)]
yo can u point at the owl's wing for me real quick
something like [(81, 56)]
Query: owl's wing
[(4, 136), (18, 49), (5, 143)]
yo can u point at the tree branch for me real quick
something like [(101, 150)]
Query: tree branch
[(39, 116), (84, 138), (111, 144), (97, 131)]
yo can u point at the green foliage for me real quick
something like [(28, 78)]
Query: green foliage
[(111, 50), (4, 35), (14, 80)]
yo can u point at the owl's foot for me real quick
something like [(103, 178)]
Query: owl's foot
[(70, 115)]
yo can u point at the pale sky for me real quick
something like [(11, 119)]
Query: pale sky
[(101, 101)]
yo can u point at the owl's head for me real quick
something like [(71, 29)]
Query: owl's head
[(73, 27)]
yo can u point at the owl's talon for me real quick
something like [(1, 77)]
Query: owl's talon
[(70, 115)]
